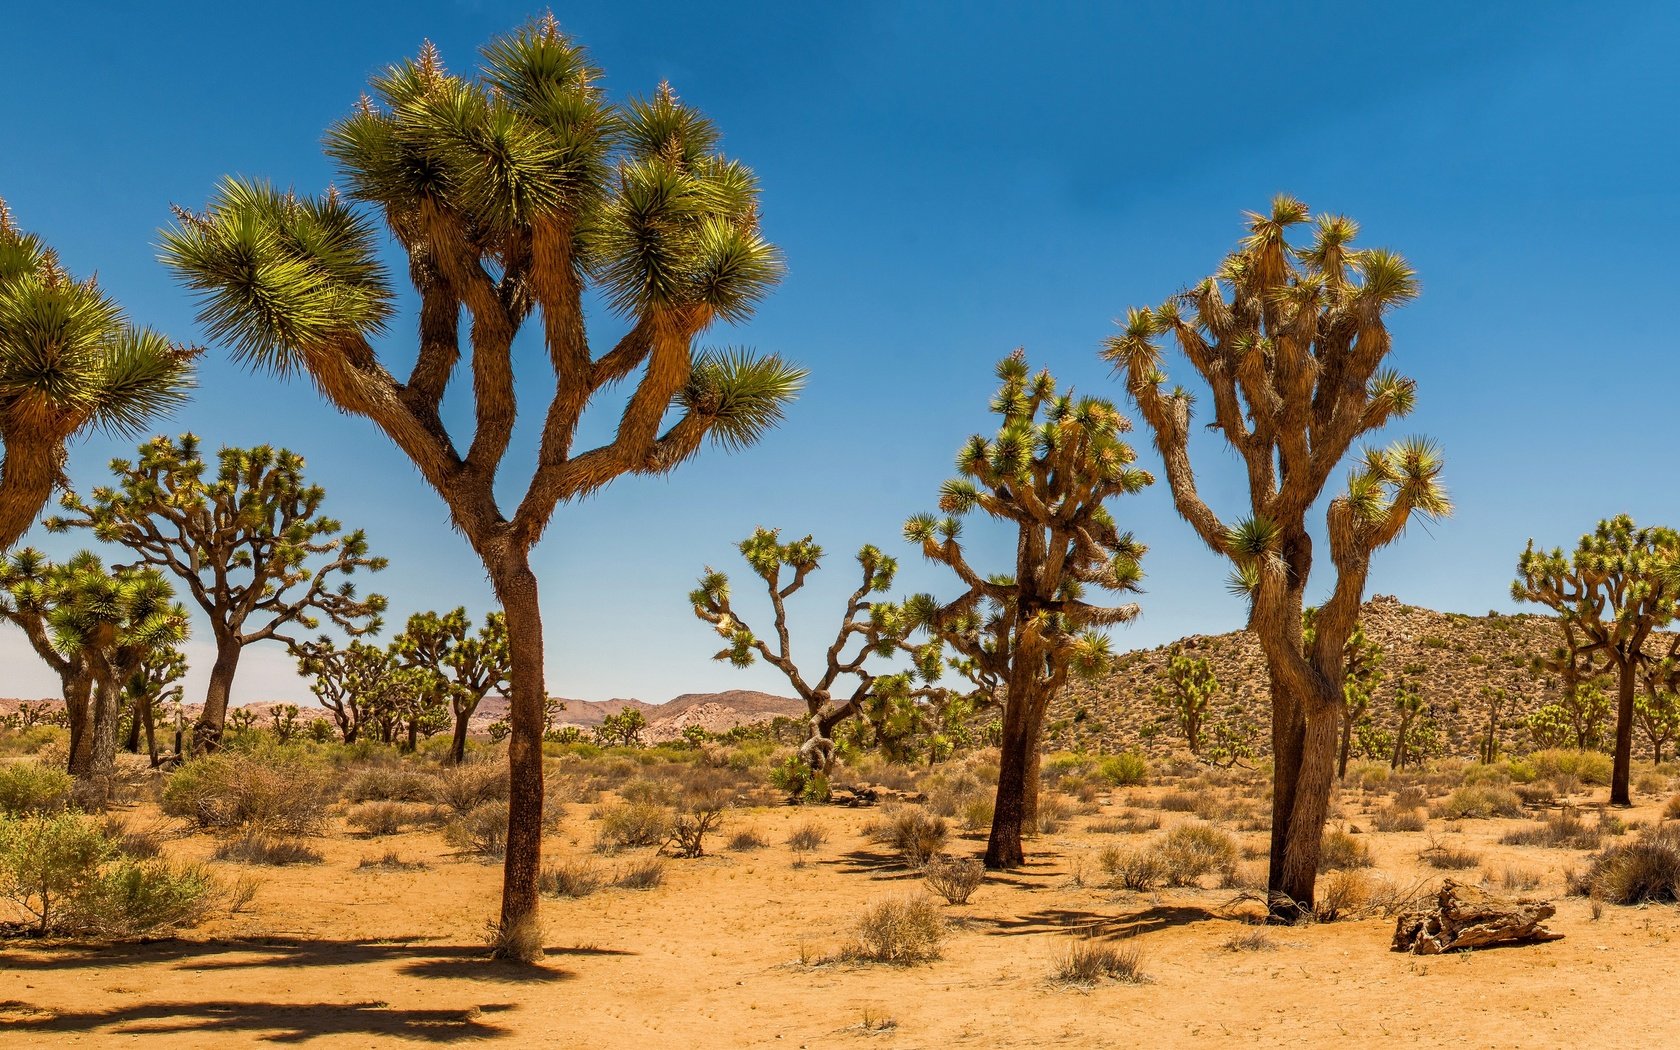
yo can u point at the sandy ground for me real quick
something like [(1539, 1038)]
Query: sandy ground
[(333, 955)]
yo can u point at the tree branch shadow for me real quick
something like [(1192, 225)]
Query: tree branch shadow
[(265, 1022), (1094, 924)]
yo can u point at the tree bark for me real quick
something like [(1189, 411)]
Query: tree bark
[(1294, 874), (1015, 766), (102, 758), (1033, 780), (149, 714), (516, 589), (1346, 745), (131, 742), (207, 731), (1619, 776), (458, 744), (78, 704)]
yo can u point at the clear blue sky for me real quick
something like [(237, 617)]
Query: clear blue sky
[(949, 182)]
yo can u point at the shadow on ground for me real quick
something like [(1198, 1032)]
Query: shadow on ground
[(1094, 924), (265, 1022)]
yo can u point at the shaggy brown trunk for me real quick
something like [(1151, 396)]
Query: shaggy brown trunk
[(78, 706), (1294, 872), (149, 717), (458, 744), (413, 744), (1619, 795), (1034, 776), (516, 589), (131, 742), (1287, 744), (102, 757), (1022, 725), (207, 731), (1347, 745)]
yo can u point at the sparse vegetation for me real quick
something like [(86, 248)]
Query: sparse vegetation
[(1088, 962), (899, 932), (954, 878)]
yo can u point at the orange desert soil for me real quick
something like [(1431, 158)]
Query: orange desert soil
[(333, 955)]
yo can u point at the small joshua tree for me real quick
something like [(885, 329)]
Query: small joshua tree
[(516, 195), (1575, 720), (351, 682), (867, 629), (1048, 473), (455, 665), (623, 729), (1291, 342), (1409, 706), (157, 682), (1619, 584), (95, 628), (249, 543), (69, 362), (1189, 693), (1496, 700)]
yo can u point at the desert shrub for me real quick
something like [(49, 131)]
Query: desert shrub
[(577, 878), (949, 792), (1646, 869), (30, 787), (1367, 775), (1537, 793), (1397, 818), (643, 875), (46, 859), (140, 898), (379, 818), (1564, 830), (1514, 879), (1479, 802), (390, 782), (913, 833), (1123, 770), (481, 830), (1487, 773), (1088, 962), (900, 932), (1340, 851), (1127, 823), (1134, 869), (747, 839), (1342, 895), (1671, 810), (280, 791), (977, 813), (1650, 782), (628, 824), (1190, 851), (1180, 801), (465, 787), (1448, 858), (807, 837), (954, 878), (648, 790), (1589, 767), (1411, 797), (391, 861), (143, 844), (1053, 812), (258, 848), (798, 781), (1254, 940), (688, 830)]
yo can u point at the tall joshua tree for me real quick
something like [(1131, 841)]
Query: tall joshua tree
[(513, 194), (453, 665), (867, 628), (1048, 473), (69, 360), (1291, 342), (95, 628), (1619, 584), (250, 543)]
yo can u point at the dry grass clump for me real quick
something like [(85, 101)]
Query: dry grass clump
[(1564, 830), (976, 814), (1053, 812), (279, 791), (900, 932), (643, 875), (628, 824), (1089, 962), (1127, 823), (258, 848), (389, 782), (1671, 810), (391, 861), (520, 943), (1479, 802), (1138, 870), (913, 833), (1411, 797), (1397, 818), (1589, 767), (1368, 775), (745, 840), (1340, 850), (1513, 879), (1646, 869), (142, 844), (577, 878), (1650, 782), (1254, 939), (1343, 895), (384, 818), (465, 787), (1191, 851), (807, 837), (1449, 858), (954, 878), (1176, 801), (481, 830)]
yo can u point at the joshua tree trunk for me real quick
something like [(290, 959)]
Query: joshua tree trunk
[(1023, 723), (131, 742), (516, 589), (78, 705), (102, 758), (1619, 776), (1034, 776), (1294, 871), (458, 744), (207, 731), (1347, 745), (149, 715)]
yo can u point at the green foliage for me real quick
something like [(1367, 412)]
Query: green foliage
[(1579, 719), (1480, 802), (1190, 690), (623, 729), (46, 860), (1123, 770), (795, 778), (30, 787)]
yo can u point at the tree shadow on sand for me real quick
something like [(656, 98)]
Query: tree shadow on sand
[(1094, 924), (264, 1022)]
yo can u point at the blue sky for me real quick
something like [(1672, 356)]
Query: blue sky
[(948, 182)]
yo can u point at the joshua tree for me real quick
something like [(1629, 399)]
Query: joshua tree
[(156, 682), (95, 628), (624, 729), (1049, 479), (1497, 699), (1361, 674), (1408, 708), (868, 628), (1658, 714), (454, 665), (249, 543), (347, 681), (1189, 691), (69, 361), (514, 195), (1620, 584), (1291, 342), (1576, 720)]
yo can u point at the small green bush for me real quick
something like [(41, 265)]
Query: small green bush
[(1480, 802), (466, 787), (1191, 851), (1589, 767), (1123, 770), (140, 898), (30, 787), (1340, 851), (628, 824), (798, 781)]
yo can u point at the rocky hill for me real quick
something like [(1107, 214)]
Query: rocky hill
[(1447, 656)]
